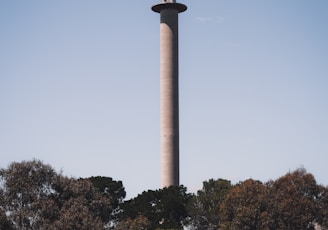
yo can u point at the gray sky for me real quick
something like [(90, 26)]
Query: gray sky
[(79, 89)]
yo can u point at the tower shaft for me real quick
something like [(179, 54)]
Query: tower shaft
[(169, 97), (169, 81)]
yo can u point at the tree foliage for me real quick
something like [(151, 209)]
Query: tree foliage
[(110, 188), (246, 207), (25, 188), (138, 223), (293, 201), (164, 208), (296, 199), (204, 208), (4, 222), (324, 206), (34, 196)]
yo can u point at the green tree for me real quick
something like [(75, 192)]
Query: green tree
[(77, 214), (164, 208), (138, 223), (324, 207), (4, 222), (204, 208), (25, 186), (34, 196), (246, 207), (112, 189), (296, 200), (79, 205)]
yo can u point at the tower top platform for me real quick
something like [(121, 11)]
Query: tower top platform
[(169, 5)]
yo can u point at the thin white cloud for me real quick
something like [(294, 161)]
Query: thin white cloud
[(202, 19)]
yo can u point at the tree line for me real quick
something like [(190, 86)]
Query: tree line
[(34, 196)]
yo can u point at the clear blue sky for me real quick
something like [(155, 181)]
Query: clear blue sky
[(79, 89)]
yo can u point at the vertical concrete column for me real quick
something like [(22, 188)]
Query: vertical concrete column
[(169, 97), (169, 80)]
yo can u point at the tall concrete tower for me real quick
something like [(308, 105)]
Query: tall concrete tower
[(169, 75)]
